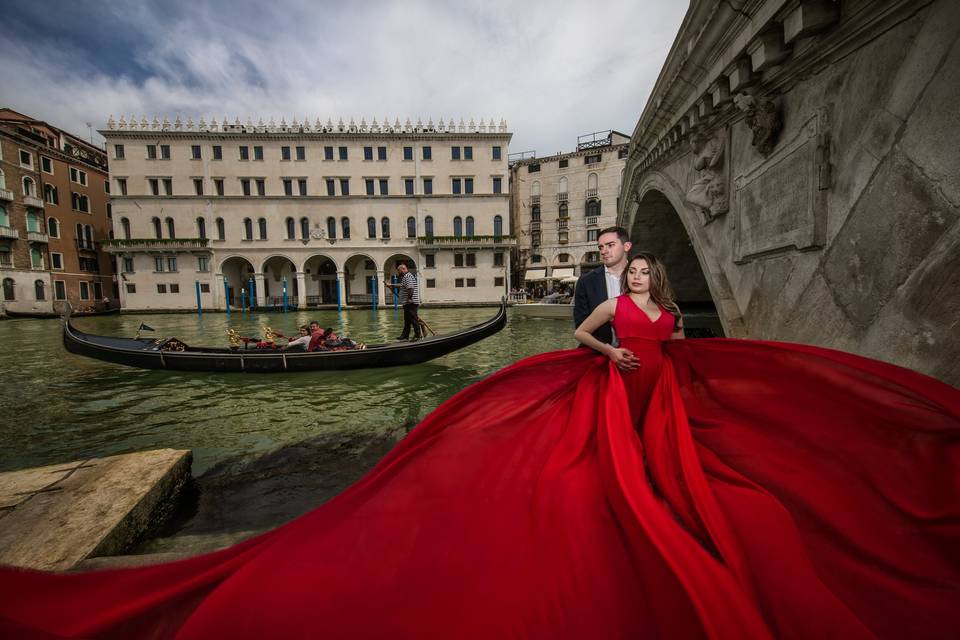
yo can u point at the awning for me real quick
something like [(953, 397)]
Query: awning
[(535, 274), (561, 273)]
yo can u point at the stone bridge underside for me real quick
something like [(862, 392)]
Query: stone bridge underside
[(804, 157)]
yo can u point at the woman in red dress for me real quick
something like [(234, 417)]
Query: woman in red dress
[(664, 488)]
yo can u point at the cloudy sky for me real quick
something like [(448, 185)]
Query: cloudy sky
[(552, 69)]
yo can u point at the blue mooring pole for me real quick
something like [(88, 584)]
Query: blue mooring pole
[(373, 280), (253, 294), (284, 295), (199, 307), (339, 304), (396, 293), (226, 292), (243, 299)]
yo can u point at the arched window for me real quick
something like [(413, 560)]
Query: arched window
[(8, 289), (331, 228), (88, 236), (564, 258), (53, 227), (385, 227), (498, 225), (371, 227), (221, 230), (564, 211), (50, 194), (291, 229), (592, 183), (247, 229), (125, 227), (262, 228), (458, 226), (79, 230), (29, 186), (33, 222), (38, 290), (411, 227), (345, 227), (428, 226), (171, 231), (304, 228), (562, 187), (593, 207), (3, 180), (4, 217), (201, 228), (470, 229)]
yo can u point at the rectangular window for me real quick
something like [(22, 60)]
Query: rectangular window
[(328, 153), (245, 186), (301, 154), (458, 283), (78, 176), (26, 159), (122, 184), (46, 164), (498, 281), (383, 187), (118, 152), (431, 260), (151, 152), (59, 290), (198, 186), (131, 287), (471, 259), (343, 153), (171, 263), (344, 186), (498, 259), (592, 235), (497, 153), (217, 152), (154, 186), (204, 287), (161, 288), (468, 153), (468, 185), (56, 260), (128, 265), (287, 187), (106, 186), (427, 153), (369, 184), (84, 290), (458, 259), (428, 186), (218, 183), (623, 153), (533, 168), (471, 282), (564, 163), (408, 153), (258, 153), (261, 187), (381, 153), (431, 283), (158, 264), (244, 153), (164, 152), (285, 153), (498, 185), (454, 153), (203, 264), (168, 186), (302, 186), (368, 153), (195, 152), (97, 291), (331, 187), (408, 186), (456, 186), (593, 159), (174, 288)]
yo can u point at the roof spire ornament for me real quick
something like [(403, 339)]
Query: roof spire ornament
[(178, 123), (110, 123)]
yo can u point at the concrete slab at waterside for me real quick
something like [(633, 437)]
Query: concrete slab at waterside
[(53, 517)]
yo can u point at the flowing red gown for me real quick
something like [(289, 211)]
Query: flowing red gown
[(727, 489)]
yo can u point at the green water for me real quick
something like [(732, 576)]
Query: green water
[(57, 407)]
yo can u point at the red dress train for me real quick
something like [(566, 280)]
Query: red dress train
[(727, 489)]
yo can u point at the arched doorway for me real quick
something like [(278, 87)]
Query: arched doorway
[(278, 270), (320, 273), (358, 273), (390, 273), (237, 273)]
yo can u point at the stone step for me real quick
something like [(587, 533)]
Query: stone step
[(163, 550), (54, 517)]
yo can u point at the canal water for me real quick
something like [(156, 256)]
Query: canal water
[(57, 407)]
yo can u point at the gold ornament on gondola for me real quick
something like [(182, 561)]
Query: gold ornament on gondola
[(234, 337), (269, 335)]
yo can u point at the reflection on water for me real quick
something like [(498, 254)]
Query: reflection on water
[(58, 407)]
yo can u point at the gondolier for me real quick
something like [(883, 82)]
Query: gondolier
[(410, 296)]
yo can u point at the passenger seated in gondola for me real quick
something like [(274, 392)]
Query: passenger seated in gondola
[(301, 342), (316, 337)]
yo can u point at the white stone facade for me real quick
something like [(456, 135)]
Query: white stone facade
[(440, 200), (561, 202)]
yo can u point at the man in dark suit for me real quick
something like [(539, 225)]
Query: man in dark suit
[(602, 283)]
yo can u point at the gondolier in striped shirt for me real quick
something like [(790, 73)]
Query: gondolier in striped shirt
[(410, 296)]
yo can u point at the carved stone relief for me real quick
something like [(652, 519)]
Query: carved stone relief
[(763, 118), (708, 192)]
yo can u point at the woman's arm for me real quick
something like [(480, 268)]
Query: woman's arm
[(603, 314), (678, 332)]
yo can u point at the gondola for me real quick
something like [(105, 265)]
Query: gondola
[(170, 353)]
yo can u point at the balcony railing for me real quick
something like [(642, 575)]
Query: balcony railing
[(36, 236), (6, 194), (126, 245), (591, 193), (85, 245), (563, 197), (6, 263), (458, 241), (535, 201), (8, 232), (33, 201), (593, 221), (535, 225), (535, 239), (562, 223)]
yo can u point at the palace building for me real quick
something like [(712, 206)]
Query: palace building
[(561, 202), (217, 212)]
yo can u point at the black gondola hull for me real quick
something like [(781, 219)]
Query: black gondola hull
[(146, 354)]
